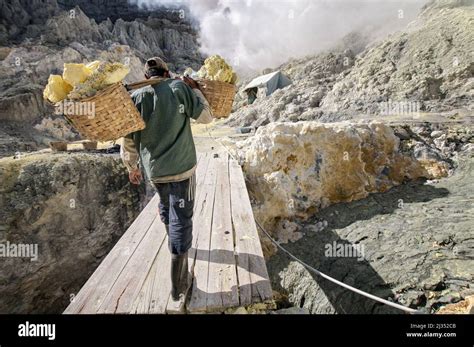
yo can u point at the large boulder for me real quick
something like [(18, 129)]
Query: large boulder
[(296, 169)]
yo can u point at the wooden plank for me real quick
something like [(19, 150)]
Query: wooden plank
[(162, 285), (222, 286), (201, 243), (142, 301), (96, 288), (134, 277), (201, 171), (254, 283), (146, 296), (127, 286)]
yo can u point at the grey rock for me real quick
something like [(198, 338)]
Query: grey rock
[(74, 207)]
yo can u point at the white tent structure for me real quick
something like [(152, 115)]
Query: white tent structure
[(270, 82)]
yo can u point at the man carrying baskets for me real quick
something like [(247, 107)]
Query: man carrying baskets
[(165, 151)]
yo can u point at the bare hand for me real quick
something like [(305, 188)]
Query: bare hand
[(135, 176), (190, 82)]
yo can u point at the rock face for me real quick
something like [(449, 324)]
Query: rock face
[(38, 37), (296, 169), (20, 17), (428, 67), (100, 10), (157, 31), (74, 207), (430, 63)]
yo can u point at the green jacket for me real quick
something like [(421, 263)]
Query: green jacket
[(166, 145)]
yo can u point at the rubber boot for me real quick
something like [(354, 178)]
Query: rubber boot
[(184, 285), (177, 302), (176, 275)]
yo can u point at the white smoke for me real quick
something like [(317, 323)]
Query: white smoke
[(256, 34)]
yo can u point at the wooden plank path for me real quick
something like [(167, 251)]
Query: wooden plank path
[(226, 264)]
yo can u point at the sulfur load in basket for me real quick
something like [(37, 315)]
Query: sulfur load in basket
[(217, 81), (93, 98), (115, 115)]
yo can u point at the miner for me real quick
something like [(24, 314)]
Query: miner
[(165, 152)]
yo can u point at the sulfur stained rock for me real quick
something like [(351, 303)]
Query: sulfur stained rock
[(296, 169), (465, 306)]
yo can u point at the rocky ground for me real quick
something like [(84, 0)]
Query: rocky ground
[(74, 207), (418, 242)]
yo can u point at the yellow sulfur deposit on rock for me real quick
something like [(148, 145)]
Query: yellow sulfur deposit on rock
[(57, 89), (215, 68)]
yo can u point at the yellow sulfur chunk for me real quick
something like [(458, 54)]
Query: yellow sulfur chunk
[(215, 68), (75, 73), (57, 89), (224, 75), (92, 66), (115, 73), (105, 74)]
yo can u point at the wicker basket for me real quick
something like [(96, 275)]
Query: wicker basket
[(220, 96), (115, 115)]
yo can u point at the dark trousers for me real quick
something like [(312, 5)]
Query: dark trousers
[(176, 210)]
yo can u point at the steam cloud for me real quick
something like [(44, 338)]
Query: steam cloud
[(256, 34)]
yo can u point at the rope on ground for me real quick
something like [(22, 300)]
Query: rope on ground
[(316, 271)]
